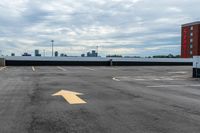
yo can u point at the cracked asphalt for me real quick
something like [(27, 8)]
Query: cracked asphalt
[(138, 99)]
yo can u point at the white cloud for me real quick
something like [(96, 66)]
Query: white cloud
[(118, 26), (174, 9), (161, 47)]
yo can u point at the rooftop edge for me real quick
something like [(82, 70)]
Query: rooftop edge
[(190, 24)]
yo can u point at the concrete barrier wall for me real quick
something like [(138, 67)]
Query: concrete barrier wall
[(56, 63), (2, 62), (196, 66), (98, 59), (87, 61), (93, 63)]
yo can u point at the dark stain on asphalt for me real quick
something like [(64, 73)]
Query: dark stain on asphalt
[(79, 121), (43, 120)]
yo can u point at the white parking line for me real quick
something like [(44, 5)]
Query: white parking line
[(160, 86), (89, 68), (178, 72), (167, 79), (115, 79), (140, 79), (179, 76), (147, 78), (33, 68), (1, 68), (110, 68), (61, 68)]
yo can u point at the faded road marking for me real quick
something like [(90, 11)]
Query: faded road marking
[(115, 79), (160, 86), (178, 72), (110, 68), (147, 78), (89, 68), (179, 76), (33, 68), (61, 68), (70, 96), (1, 68), (140, 79)]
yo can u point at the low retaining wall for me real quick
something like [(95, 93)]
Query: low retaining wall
[(56, 63), (93, 63), (196, 66), (87, 61), (144, 63), (2, 62)]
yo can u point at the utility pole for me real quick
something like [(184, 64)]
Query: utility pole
[(52, 46)]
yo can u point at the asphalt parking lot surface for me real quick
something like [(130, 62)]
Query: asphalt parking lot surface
[(138, 99)]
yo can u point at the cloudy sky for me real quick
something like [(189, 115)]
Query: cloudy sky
[(127, 27)]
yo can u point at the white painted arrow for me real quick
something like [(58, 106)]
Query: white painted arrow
[(70, 96)]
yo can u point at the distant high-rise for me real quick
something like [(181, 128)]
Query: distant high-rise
[(56, 53), (92, 54), (88, 54), (63, 55), (190, 40), (37, 53), (26, 54)]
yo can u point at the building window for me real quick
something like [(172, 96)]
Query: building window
[(191, 40), (191, 46), (191, 28), (191, 34), (191, 52)]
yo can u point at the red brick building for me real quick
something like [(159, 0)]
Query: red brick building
[(190, 40)]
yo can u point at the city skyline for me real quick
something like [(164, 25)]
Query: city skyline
[(125, 27), (38, 53)]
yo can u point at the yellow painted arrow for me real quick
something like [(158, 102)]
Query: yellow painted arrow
[(70, 96)]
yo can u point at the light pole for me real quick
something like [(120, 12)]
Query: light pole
[(52, 46), (97, 50), (44, 53)]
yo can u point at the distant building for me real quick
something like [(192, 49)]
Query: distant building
[(63, 55), (92, 54), (37, 53), (56, 54), (26, 54), (88, 54), (166, 56), (132, 57), (12, 54), (190, 40), (120, 56)]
